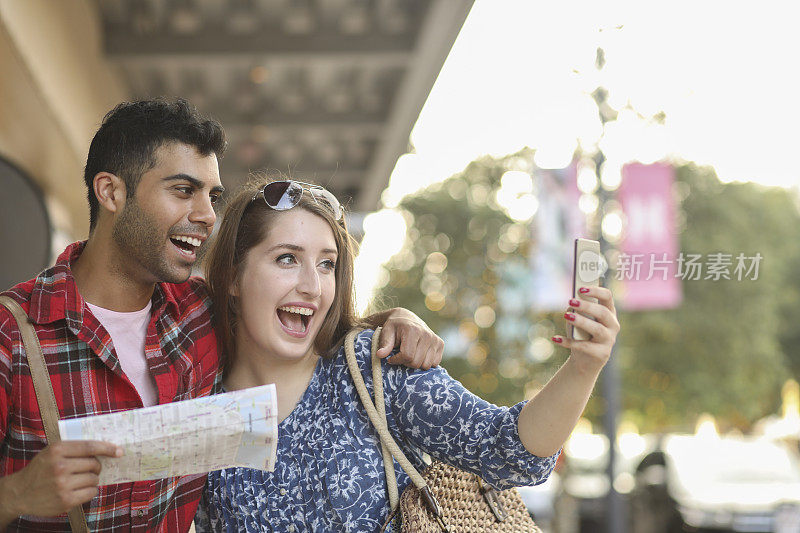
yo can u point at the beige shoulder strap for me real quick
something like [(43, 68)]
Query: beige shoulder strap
[(44, 392), (378, 419), (380, 405)]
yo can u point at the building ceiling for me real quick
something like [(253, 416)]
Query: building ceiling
[(327, 90)]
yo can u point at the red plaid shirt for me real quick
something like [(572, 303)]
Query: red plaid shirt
[(87, 380)]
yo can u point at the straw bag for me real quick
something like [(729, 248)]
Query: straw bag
[(443, 498)]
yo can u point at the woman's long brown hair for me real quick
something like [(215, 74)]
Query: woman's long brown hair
[(245, 223)]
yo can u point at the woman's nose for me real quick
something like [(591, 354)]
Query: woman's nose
[(309, 283)]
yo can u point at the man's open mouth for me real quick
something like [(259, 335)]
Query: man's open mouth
[(186, 243), (295, 318)]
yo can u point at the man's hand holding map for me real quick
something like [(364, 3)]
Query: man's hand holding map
[(238, 428)]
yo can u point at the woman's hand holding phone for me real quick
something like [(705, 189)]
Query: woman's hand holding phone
[(598, 320), (592, 324)]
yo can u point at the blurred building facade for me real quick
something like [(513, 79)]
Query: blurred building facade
[(324, 90)]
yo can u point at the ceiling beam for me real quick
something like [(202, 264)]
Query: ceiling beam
[(121, 42), (336, 179), (375, 59), (436, 37), (370, 122), (359, 130)]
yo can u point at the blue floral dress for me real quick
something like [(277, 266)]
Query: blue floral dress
[(329, 474)]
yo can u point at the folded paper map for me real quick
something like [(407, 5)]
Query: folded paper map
[(238, 428)]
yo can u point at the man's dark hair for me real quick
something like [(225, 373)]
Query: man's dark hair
[(126, 143)]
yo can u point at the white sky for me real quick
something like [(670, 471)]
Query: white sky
[(726, 74)]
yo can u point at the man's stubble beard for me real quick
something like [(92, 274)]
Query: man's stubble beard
[(143, 243)]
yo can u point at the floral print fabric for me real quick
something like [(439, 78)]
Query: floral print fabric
[(329, 475)]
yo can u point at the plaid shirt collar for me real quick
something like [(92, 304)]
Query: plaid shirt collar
[(56, 297)]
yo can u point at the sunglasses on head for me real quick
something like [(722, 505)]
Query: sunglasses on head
[(286, 194)]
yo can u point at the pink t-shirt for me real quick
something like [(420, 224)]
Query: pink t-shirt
[(128, 332)]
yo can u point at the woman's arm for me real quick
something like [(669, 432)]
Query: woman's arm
[(506, 446), (431, 411), (548, 419)]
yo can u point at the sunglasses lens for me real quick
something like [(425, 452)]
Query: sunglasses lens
[(282, 195)]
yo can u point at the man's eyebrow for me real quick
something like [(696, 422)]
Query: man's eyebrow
[(196, 183)]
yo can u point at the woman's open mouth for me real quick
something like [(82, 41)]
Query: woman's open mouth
[(295, 319)]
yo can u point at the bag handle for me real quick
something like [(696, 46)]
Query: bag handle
[(380, 405), (44, 392), (380, 424)]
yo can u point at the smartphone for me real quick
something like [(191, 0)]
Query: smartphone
[(587, 268)]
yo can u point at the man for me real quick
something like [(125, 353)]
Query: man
[(122, 325)]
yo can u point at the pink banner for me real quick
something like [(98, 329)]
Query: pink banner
[(647, 262)]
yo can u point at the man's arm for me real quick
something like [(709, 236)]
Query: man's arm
[(60, 477), (6, 507), (419, 346)]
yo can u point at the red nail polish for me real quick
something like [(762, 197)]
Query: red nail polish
[(569, 316), (583, 290), (574, 303), (558, 340)]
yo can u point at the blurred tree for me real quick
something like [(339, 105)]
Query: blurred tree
[(722, 351), (464, 270), (462, 251)]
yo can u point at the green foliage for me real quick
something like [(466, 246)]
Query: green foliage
[(460, 219), (726, 350)]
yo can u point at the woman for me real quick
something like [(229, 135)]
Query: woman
[(281, 276)]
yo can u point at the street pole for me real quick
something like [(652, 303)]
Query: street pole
[(616, 517), (616, 510)]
